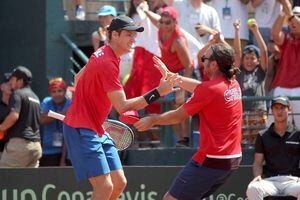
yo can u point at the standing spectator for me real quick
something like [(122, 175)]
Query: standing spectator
[(273, 62), (22, 123), (175, 54), (277, 155), (229, 11), (254, 64), (197, 18), (105, 14), (5, 92), (219, 153), (286, 81), (54, 150), (265, 15)]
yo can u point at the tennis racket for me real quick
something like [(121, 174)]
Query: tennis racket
[(121, 134)]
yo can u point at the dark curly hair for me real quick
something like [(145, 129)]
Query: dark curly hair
[(224, 56)]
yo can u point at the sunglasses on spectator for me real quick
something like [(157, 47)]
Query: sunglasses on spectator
[(168, 22)]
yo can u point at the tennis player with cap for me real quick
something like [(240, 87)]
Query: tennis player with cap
[(98, 88), (219, 106)]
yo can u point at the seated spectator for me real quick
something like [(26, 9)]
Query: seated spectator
[(23, 148), (5, 92), (286, 81), (254, 64), (105, 14), (54, 150), (277, 155)]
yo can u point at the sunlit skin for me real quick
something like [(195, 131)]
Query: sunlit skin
[(125, 40), (274, 49), (15, 83), (6, 88), (293, 29), (137, 2), (104, 21), (58, 96), (167, 24), (280, 113), (250, 61), (6, 91)]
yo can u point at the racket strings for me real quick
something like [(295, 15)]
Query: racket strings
[(121, 135)]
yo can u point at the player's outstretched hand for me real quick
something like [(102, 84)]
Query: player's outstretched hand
[(161, 67), (144, 123), (167, 84)]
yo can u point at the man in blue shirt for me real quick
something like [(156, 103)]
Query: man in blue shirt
[(54, 151)]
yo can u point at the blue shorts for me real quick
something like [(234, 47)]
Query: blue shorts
[(196, 182), (90, 154)]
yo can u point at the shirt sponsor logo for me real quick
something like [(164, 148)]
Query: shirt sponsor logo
[(291, 142), (232, 94)]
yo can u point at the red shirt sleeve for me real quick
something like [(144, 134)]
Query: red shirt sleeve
[(201, 97)]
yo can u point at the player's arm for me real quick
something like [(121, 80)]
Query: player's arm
[(257, 168), (168, 118), (186, 83), (121, 104)]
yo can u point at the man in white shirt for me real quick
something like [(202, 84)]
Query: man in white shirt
[(197, 18), (229, 11), (266, 12)]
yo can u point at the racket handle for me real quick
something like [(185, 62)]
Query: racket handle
[(56, 115)]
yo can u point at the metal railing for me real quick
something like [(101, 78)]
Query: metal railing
[(76, 50)]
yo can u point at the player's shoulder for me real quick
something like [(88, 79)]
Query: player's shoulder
[(101, 58)]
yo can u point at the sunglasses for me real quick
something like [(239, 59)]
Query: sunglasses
[(168, 22)]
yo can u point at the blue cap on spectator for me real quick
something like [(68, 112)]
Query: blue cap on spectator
[(107, 10), (251, 48)]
